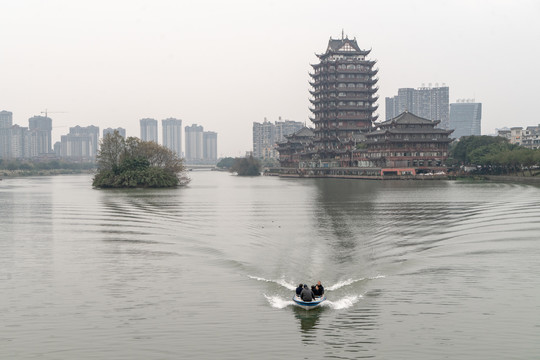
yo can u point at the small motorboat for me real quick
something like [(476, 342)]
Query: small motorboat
[(308, 305)]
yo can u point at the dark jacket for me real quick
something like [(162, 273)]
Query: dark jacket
[(299, 290), (307, 294), (320, 292)]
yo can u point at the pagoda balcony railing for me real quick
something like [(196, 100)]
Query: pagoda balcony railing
[(359, 97), (408, 141), (326, 103), (356, 107), (344, 108), (339, 128), (329, 89), (353, 117), (354, 80), (355, 62), (367, 71), (322, 81), (329, 118)]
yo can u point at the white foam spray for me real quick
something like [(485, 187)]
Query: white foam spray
[(278, 302), (281, 282), (346, 302), (347, 282)]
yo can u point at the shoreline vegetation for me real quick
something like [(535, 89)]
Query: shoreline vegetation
[(135, 163), (50, 172), (20, 168)]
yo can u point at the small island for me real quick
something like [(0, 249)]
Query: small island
[(248, 166), (133, 163)]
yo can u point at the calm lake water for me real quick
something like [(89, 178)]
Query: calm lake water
[(413, 270)]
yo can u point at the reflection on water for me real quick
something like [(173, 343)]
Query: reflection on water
[(308, 319), (412, 270)]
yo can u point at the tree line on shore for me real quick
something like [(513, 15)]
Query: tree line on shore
[(493, 155), (134, 163), (35, 167)]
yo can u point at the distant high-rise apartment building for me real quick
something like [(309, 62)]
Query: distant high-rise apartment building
[(209, 146), (264, 140), (6, 119), (194, 142), (266, 135), (41, 129), (20, 142), (6, 122), (149, 130), (465, 118), (121, 131), (80, 143), (172, 134), (285, 128), (430, 103)]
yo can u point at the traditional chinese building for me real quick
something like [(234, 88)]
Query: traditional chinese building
[(405, 145), (343, 90), (295, 147)]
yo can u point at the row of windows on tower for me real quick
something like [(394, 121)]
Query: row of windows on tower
[(344, 67), (345, 76), (342, 86), (344, 94), (359, 114), (345, 103)]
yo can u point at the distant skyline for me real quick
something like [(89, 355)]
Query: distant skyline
[(228, 64)]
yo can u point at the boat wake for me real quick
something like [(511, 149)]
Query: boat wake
[(278, 302), (345, 303), (282, 282), (351, 281), (291, 286)]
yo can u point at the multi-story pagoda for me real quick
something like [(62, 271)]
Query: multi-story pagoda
[(343, 99)]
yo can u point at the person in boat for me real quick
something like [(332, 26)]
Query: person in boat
[(321, 288), (299, 289), (317, 291), (307, 294)]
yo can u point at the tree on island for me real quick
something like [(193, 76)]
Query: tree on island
[(131, 162), (248, 166), (225, 163)]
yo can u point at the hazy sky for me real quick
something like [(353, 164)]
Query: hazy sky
[(225, 64)]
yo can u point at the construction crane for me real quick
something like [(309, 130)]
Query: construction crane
[(52, 112)]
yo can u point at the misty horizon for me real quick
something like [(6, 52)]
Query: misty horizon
[(227, 65)]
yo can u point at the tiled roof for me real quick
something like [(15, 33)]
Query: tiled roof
[(407, 118)]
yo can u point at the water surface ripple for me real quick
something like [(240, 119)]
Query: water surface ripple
[(413, 270)]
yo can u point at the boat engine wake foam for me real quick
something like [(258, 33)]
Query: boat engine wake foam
[(347, 282), (282, 282), (346, 302), (278, 302)]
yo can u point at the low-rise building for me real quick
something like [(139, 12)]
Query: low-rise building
[(406, 144), (528, 137), (294, 147)]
